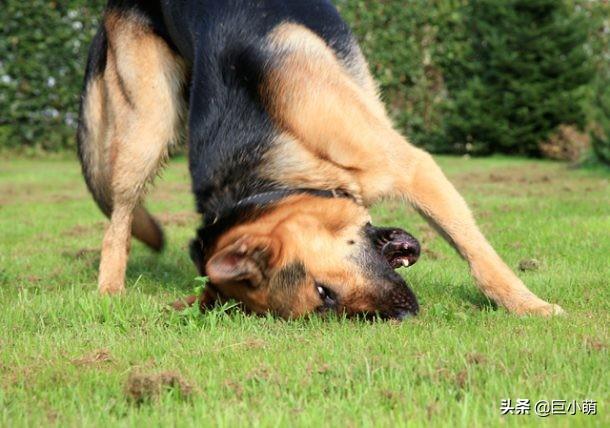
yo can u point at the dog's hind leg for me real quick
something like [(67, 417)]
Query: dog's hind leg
[(131, 112), (311, 95)]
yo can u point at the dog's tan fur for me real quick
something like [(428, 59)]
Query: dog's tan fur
[(133, 113), (310, 89)]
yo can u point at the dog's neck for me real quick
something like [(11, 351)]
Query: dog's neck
[(263, 199), (248, 210)]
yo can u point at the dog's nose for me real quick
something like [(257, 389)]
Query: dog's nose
[(400, 302), (402, 314)]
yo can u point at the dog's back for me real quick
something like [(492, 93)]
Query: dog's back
[(222, 43), (211, 26)]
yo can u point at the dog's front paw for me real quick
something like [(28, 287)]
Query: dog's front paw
[(111, 289), (545, 309)]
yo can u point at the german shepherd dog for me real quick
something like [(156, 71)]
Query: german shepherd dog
[(288, 145)]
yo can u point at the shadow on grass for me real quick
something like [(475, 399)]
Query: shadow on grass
[(166, 271), (173, 271), (476, 298), (161, 271)]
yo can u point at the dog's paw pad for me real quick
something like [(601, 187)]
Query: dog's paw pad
[(546, 310)]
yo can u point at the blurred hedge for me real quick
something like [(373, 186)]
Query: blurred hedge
[(598, 13), (43, 48), (413, 47)]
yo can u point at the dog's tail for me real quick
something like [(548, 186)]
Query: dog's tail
[(93, 142)]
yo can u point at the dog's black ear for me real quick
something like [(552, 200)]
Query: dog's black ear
[(196, 253)]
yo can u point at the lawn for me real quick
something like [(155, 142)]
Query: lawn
[(71, 358)]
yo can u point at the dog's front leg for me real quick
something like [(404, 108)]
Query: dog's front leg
[(115, 251), (423, 183)]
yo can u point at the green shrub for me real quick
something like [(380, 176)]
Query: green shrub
[(601, 127), (525, 74), (598, 103), (43, 47)]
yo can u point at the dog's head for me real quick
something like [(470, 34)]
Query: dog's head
[(310, 254)]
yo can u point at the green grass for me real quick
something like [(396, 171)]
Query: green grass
[(66, 354)]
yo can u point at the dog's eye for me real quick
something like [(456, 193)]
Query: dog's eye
[(327, 296)]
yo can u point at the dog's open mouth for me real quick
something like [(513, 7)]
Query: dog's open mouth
[(398, 247)]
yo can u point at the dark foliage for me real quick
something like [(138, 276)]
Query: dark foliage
[(461, 76), (523, 76)]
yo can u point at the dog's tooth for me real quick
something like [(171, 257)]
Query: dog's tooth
[(405, 262)]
